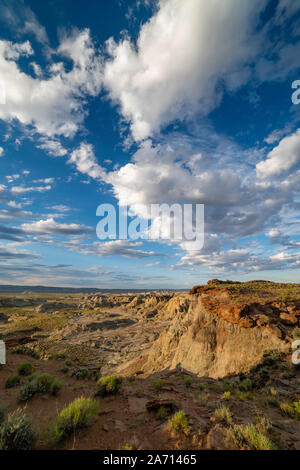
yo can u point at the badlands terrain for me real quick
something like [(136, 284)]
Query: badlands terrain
[(206, 369)]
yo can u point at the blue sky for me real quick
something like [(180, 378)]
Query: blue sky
[(140, 102)]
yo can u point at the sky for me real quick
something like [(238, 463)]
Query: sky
[(139, 102)]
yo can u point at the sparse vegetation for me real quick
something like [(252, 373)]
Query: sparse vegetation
[(247, 437), (159, 384), (12, 381), (226, 395), (223, 414), (161, 413), (76, 415), (81, 373), (188, 381), (16, 432), (109, 385), (43, 383), (296, 333), (291, 409), (25, 368), (179, 423), (245, 385)]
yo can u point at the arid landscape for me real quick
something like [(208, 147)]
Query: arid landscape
[(206, 369)]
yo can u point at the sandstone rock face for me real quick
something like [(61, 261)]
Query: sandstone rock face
[(207, 344)]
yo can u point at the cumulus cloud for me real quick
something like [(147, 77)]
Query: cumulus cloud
[(50, 226), (282, 158), (85, 161), (1, 151), (52, 147), (54, 105), (171, 72)]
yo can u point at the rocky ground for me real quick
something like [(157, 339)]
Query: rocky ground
[(222, 345)]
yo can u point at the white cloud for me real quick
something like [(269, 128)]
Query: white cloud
[(50, 226), (54, 105), (1, 151), (52, 147), (182, 54), (24, 189), (85, 161), (282, 158)]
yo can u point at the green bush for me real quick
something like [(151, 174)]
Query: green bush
[(249, 438), (12, 381), (223, 414), (226, 395), (26, 350), (68, 363), (76, 415), (161, 413), (291, 409), (159, 384), (16, 432), (246, 385), (179, 423), (81, 373), (109, 385), (25, 368), (188, 381), (43, 383)]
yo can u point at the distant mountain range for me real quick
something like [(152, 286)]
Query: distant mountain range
[(85, 290)]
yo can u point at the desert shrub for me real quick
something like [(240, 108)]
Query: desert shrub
[(159, 384), (272, 401), (291, 409), (68, 363), (245, 385), (109, 385), (126, 447), (226, 395), (131, 379), (2, 413), (223, 414), (64, 370), (188, 381), (270, 357), (229, 385), (296, 333), (25, 368), (12, 381), (262, 424), (76, 415), (161, 413), (16, 432), (27, 391), (249, 438), (26, 350), (81, 373), (273, 392), (43, 383), (179, 422), (59, 356), (240, 396)]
